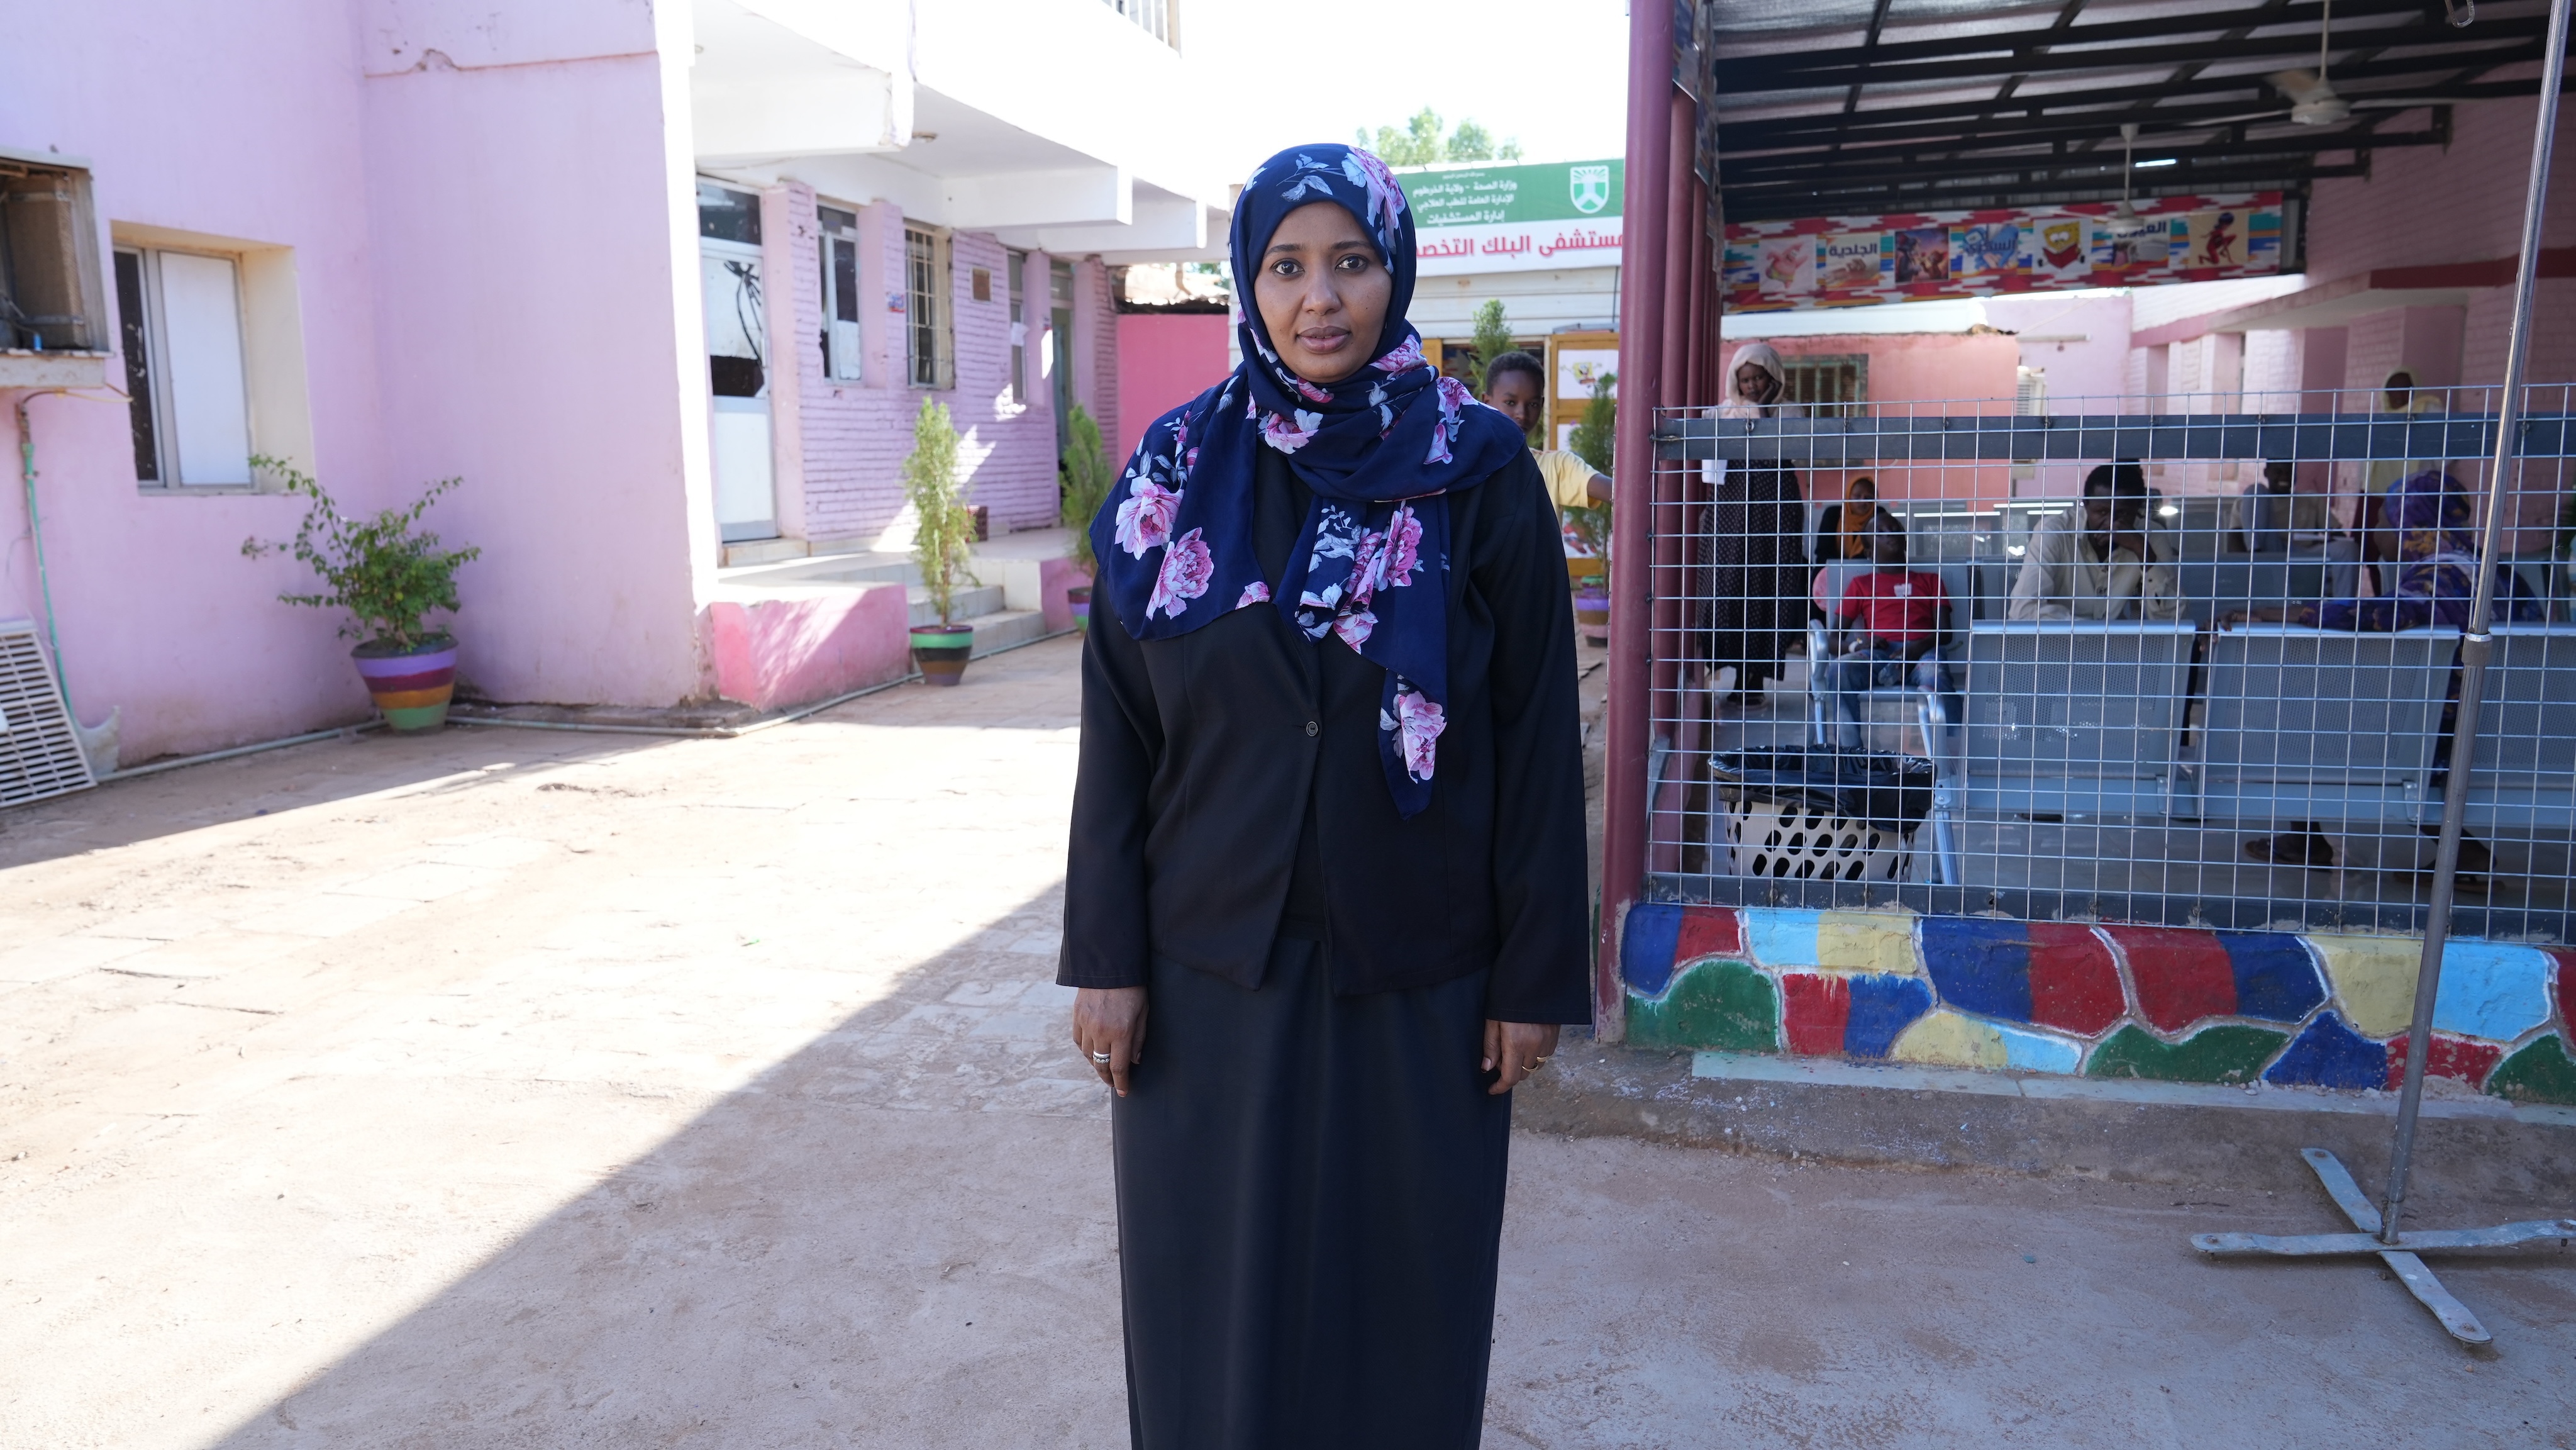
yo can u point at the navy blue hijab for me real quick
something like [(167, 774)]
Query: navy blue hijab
[(1380, 450)]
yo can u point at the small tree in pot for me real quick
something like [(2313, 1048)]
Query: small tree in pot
[(1088, 477), (389, 574), (942, 543)]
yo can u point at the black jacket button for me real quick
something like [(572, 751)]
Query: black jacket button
[(1313, 729)]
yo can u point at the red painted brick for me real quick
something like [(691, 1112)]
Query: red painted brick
[(1816, 1006), (2074, 984), (2180, 975), (1709, 931), (2449, 1056)]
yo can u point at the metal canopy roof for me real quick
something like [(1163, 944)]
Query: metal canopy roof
[(1888, 106)]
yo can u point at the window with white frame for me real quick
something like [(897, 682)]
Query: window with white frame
[(927, 332), (839, 256), (180, 315), (1017, 265)]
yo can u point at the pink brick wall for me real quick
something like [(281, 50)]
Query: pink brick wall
[(2428, 205), (1095, 345), (853, 436)]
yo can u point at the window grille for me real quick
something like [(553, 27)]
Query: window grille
[(1157, 18), (1830, 387), (926, 303)]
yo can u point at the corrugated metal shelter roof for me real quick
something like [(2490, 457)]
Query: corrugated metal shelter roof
[(1880, 106)]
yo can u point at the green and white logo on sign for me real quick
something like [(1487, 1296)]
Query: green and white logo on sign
[(1590, 186)]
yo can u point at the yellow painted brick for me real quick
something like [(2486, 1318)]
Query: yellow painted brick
[(1946, 1039), (2373, 978), (1867, 941)]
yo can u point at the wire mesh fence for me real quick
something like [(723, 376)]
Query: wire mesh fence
[(2195, 666)]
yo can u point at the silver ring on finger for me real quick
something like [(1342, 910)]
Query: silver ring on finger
[(1100, 1057)]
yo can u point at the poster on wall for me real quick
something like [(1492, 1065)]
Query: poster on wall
[(1858, 261)]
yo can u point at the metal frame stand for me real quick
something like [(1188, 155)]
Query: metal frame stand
[(2378, 1227)]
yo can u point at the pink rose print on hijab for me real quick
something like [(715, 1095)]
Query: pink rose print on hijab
[(1254, 593), (1355, 628), (1403, 548), (1145, 518), (1418, 722), (1184, 577), (1386, 199), (1313, 393), (1407, 354), (1453, 396), (1288, 437)]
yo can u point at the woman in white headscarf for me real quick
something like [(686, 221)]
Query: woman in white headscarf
[(1756, 559)]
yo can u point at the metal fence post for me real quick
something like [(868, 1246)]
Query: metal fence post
[(1641, 341), (2478, 643)]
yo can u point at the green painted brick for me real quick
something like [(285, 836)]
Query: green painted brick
[(1712, 1004), (2214, 1054), (2540, 1073)]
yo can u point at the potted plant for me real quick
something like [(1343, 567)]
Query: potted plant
[(1592, 440), (1087, 481), (942, 543), (388, 574)]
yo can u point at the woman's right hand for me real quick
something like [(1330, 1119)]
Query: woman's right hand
[(1109, 1027)]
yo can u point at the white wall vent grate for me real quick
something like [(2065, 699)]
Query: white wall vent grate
[(40, 757)]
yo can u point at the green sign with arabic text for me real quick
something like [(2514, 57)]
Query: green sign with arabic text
[(1555, 191)]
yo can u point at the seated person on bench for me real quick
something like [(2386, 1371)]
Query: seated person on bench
[(1886, 633), (2437, 581), (2096, 562), (2267, 523)]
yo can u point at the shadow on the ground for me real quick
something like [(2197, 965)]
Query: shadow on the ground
[(899, 1235)]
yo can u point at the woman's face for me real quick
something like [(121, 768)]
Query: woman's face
[(1755, 385), (1322, 292)]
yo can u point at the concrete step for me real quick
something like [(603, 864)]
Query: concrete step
[(964, 605), (762, 551), (1005, 628)]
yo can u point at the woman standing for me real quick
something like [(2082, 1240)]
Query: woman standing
[(1328, 844), (1757, 545)]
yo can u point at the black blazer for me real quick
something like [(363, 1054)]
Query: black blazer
[(1229, 790)]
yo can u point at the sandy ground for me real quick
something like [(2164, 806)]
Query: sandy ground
[(506, 1088)]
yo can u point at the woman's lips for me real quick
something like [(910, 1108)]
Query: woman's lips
[(1324, 341)]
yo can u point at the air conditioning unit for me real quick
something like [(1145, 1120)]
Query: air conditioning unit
[(40, 755)]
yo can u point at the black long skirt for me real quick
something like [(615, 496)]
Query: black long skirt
[(1756, 575), (1310, 1200)]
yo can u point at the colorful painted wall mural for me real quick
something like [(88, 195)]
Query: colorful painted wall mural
[(2164, 1003), (1858, 261)]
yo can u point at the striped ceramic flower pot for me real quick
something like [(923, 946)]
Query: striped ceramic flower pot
[(939, 651), (410, 685), (1079, 599)]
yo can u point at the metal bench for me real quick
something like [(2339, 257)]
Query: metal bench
[(2317, 724), (2064, 719), (2525, 775)]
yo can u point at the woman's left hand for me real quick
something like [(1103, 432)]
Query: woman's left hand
[(1515, 1050)]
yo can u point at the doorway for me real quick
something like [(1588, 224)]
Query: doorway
[(737, 318)]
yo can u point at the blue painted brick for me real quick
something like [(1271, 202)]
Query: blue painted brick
[(2329, 1054), (1881, 1008), (1980, 966), (1646, 948), (2276, 980)]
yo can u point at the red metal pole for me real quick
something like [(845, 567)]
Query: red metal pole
[(1670, 586), (1641, 346)]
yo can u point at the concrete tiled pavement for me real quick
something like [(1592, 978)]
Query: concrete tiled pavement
[(507, 1088)]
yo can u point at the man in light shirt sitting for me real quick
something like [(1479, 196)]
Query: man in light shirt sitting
[(1516, 387), (2097, 562)]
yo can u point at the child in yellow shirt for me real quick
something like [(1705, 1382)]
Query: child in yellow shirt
[(1516, 386)]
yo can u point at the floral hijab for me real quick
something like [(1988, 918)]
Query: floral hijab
[(2437, 570), (1380, 450)]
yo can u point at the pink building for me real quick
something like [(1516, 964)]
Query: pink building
[(664, 286)]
